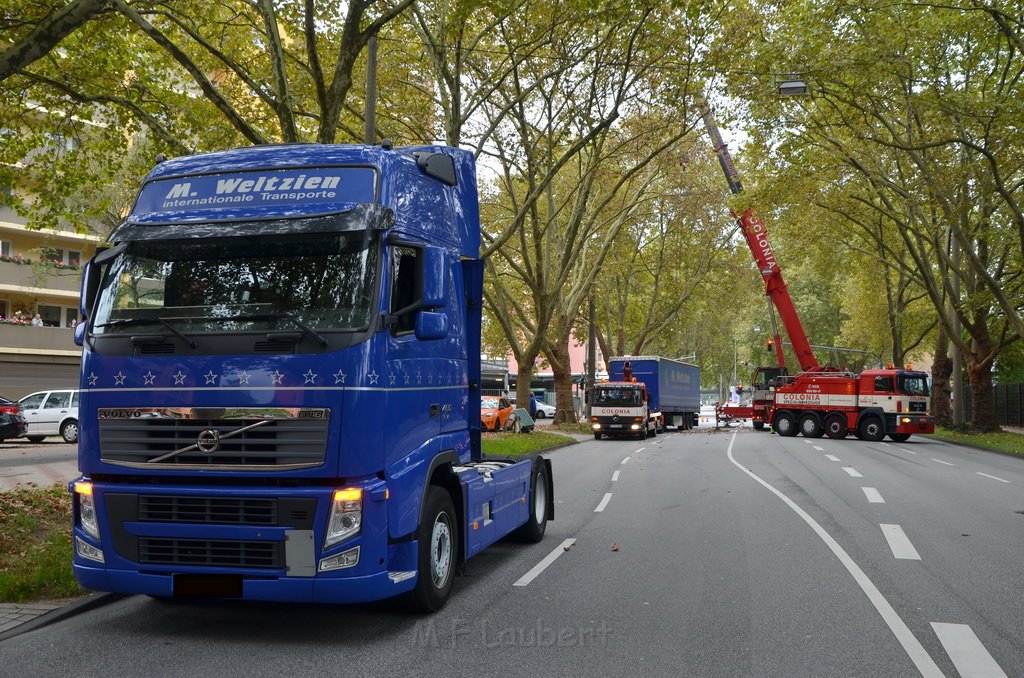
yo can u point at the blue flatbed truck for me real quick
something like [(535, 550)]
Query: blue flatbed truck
[(673, 387), (280, 386)]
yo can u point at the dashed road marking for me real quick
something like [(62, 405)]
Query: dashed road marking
[(907, 451), (873, 495), (819, 448), (625, 460), (1002, 480), (604, 502), (544, 564), (831, 457), (899, 542), (969, 656), (854, 473), (615, 476), (911, 645), (942, 462)]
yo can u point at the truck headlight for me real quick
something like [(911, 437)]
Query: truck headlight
[(346, 515), (87, 510)]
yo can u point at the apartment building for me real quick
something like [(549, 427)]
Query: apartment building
[(40, 274)]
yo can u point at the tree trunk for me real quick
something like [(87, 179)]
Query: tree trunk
[(983, 400), (558, 356), (942, 369)]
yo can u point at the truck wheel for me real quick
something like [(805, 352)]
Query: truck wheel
[(758, 425), (785, 424), (597, 435), (810, 425), (437, 537), (533, 530), (69, 431), (835, 426), (871, 429), (899, 437)]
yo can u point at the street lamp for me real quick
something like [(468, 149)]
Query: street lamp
[(794, 87)]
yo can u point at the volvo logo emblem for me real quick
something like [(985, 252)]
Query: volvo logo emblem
[(209, 441)]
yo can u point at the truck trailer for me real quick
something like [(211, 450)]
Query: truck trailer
[(280, 395)]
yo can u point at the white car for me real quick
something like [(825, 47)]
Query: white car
[(545, 411), (51, 413)]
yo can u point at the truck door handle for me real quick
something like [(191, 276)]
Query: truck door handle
[(435, 409)]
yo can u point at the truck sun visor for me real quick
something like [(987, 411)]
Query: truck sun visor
[(360, 217)]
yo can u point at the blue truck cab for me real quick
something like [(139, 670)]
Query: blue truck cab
[(280, 383)]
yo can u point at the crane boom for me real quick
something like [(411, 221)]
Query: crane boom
[(756, 234)]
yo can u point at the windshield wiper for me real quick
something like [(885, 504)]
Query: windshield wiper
[(163, 321), (306, 329)]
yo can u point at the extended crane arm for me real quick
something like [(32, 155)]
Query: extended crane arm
[(756, 235)]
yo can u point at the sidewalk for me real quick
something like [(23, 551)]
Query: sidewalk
[(13, 615), (17, 618)]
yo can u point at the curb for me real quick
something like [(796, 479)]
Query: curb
[(84, 604)]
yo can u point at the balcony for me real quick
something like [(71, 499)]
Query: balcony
[(28, 342), (36, 280)]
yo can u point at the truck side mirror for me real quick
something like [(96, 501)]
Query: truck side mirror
[(431, 325), (92, 276), (435, 278)]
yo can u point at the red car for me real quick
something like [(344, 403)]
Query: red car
[(12, 423)]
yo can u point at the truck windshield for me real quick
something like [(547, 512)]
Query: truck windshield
[(913, 384), (623, 397), (323, 282)]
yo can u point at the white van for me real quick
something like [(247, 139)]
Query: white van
[(51, 413)]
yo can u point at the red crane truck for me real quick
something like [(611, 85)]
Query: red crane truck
[(819, 400)]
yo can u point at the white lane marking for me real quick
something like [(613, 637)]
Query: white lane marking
[(907, 451), (854, 473), (899, 542), (624, 460), (942, 462), (543, 565), (1002, 480), (819, 449), (604, 502), (809, 442), (969, 656), (831, 457), (873, 495), (639, 451), (922, 660), (615, 476)]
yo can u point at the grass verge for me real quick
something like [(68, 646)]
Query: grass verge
[(519, 444), (35, 545), (1002, 441)]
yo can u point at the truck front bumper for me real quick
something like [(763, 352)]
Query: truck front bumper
[(914, 423), (357, 589)]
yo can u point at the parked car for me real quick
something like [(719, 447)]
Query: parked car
[(12, 422), (545, 411), (51, 413), (496, 414)]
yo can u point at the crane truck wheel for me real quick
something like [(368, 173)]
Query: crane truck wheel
[(899, 437), (810, 425), (758, 425), (835, 426), (533, 530), (871, 429), (437, 536), (785, 424)]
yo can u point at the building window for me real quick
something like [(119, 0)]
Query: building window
[(5, 248), (51, 315), (5, 309)]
